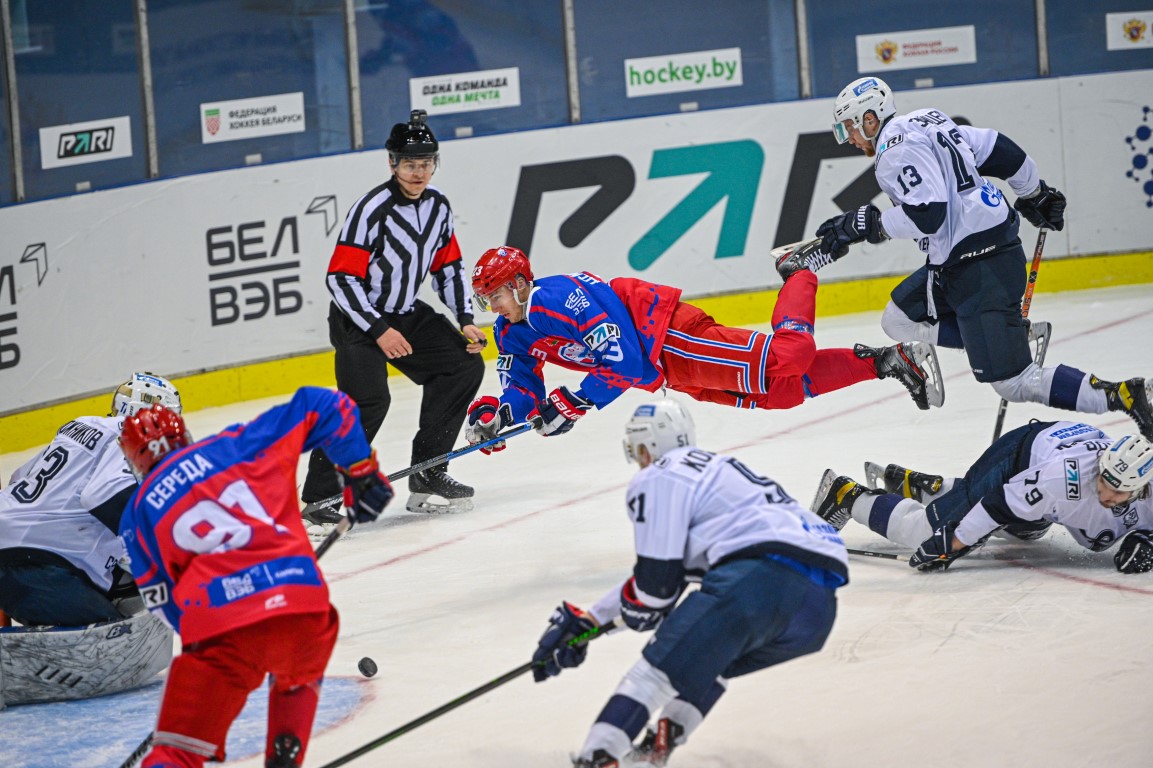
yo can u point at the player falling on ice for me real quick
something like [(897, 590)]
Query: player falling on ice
[(628, 333), (1060, 472)]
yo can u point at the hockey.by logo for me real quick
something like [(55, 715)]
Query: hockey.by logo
[(93, 141)]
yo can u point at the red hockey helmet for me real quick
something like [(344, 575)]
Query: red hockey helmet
[(497, 267), (150, 435)]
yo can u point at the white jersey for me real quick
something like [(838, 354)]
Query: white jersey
[(48, 501), (928, 166), (1060, 486), (691, 509)]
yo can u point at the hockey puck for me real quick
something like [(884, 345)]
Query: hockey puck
[(367, 667)]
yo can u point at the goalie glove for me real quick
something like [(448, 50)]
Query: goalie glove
[(1135, 555), (636, 614), (553, 651), (366, 491), (1045, 208), (839, 232), (487, 416), (936, 552), (559, 412)]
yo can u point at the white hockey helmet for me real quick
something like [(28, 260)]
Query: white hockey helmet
[(1127, 464), (660, 427), (866, 94), (141, 391)]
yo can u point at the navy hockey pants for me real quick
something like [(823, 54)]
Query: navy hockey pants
[(1008, 455), (980, 301), (41, 594), (747, 615)]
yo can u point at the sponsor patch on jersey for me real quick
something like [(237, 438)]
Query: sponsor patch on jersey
[(155, 596), (297, 570), (1072, 480), (575, 352), (892, 142), (601, 335), (504, 362), (577, 302), (991, 196), (1076, 429)]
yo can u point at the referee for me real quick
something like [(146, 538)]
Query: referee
[(394, 237)]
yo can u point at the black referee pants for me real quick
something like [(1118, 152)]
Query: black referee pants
[(439, 363)]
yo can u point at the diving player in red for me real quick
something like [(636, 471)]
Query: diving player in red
[(219, 551), (630, 333)]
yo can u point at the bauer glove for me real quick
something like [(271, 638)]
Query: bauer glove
[(1045, 209), (487, 416), (553, 651), (559, 412), (1135, 555)]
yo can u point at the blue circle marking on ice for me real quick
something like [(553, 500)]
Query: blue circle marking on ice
[(94, 733)]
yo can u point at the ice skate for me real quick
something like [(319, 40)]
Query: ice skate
[(1039, 334), (835, 496), (805, 254), (321, 517), (914, 364), (906, 482), (434, 491), (600, 759), (1131, 397), (658, 744)]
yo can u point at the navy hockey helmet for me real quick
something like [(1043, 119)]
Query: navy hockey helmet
[(412, 139)]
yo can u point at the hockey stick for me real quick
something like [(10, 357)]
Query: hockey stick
[(396, 733), (1026, 302), (441, 459), (867, 553)]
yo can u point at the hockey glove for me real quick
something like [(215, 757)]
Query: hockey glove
[(559, 412), (487, 416), (936, 552), (1135, 555), (636, 614), (1045, 209), (366, 491), (839, 232), (553, 651)]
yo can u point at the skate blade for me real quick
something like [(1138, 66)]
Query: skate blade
[(823, 490), (874, 476), (925, 357), (1040, 333), (429, 504), (785, 250)]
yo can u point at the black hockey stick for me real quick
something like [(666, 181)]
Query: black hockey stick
[(513, 674), (1026, 302), (867, 553)]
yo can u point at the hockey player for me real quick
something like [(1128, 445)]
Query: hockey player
[(968, 294), (218, 549), (395, 237), (60, 514), (631, 333), (768, 570), (1033, 476)]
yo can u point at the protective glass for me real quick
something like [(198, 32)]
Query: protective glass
[(840, 132)]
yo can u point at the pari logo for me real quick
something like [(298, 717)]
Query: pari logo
[(991, 195), (93, 141)]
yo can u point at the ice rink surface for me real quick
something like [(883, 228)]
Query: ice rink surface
[(1024, 654)]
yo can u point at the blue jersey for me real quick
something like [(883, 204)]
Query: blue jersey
[(581, 322), (214, 532)]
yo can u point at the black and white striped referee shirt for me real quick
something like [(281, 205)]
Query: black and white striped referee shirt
[(387, 247)]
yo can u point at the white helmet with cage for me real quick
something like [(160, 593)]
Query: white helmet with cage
[(660, 427), (1127, 464), (143, 390), (866, 94)]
